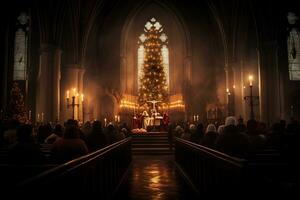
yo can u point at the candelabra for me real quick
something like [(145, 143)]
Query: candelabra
[(73, 103), (251, 98)]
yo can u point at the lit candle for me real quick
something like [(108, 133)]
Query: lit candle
[(119, 118), (116, 118), (38, 117), (250, 79), (82, 97), (42, 117), (105, 122), (197, 117), (68, 94)]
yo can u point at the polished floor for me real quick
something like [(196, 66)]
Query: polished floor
[(154, 178)]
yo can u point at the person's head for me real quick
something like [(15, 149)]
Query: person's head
[(71, 122), (179, 129), (211, 128), (231, 120), (192, 127), (97, 125), (251, 125), (124, 130), (221, 129), (200, 127), (71, 132), (87, 125), (58, 130), (240, 120)]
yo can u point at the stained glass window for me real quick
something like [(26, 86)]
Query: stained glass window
[(20, 48), (293, 47)]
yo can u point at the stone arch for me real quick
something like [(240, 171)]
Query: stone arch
[(179, 45)]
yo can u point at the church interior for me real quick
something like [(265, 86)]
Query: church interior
[(115, 97)]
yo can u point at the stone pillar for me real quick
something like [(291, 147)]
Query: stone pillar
[(242, 91), (271, 105), (186, 90), (226, 69), (72, 77), (48, 82), (123, 74), (56, 84)]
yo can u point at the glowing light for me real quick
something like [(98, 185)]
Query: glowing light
[(250, 80)]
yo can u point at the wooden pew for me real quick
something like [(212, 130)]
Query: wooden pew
[(99, 173), (208, 170)]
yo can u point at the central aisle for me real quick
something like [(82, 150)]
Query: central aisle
[(154, 177)]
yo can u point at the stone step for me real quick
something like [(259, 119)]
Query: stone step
[(150, 142), (149, 136), (152, 151), (150, 145)]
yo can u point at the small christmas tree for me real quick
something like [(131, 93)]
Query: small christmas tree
[(153, 82), (16, 107)]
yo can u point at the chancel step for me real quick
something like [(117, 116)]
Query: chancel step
[(153, 143)]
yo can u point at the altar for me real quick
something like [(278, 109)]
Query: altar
[(155, 121)]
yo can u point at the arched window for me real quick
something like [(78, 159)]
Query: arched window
[(293, 47), (21, 48), (164, 50)]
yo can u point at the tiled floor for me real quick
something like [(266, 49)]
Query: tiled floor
[(155, 178)]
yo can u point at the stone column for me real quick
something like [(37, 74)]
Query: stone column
[(187, 86), (227, 88), (48, 81), (271, 105), (123, 75), (56, 84)]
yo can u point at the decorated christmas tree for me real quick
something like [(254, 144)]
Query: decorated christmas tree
[(16, 107), (153, 81)]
